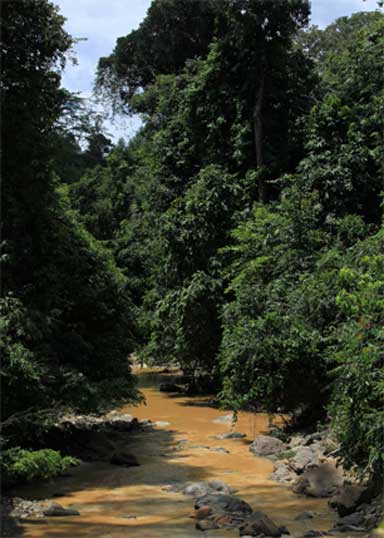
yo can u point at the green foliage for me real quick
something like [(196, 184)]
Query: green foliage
[(67, 318), (357, 405), (18, 465), (187, 294)]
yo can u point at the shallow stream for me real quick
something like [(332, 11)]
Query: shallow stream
[(118, 502)]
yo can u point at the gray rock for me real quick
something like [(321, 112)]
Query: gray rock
[(348, 499), (223, 504), (198, 489), (231, 435), (264, 445), (283, 473), (356, 520), (221, 487), (224, 418), (313, 534), (311, 438), (56, 510), (124, 458), (322, 481), (304, 457), (259, 524), (219, 449)]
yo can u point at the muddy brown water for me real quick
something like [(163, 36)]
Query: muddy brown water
[(118, 502)]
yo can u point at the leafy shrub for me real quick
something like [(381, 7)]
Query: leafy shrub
[(20, 465)]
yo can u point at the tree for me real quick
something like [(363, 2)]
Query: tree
[(172, 32)]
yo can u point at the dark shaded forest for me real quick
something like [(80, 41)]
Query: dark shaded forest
[(238, 235)]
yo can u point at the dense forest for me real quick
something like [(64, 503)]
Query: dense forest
[(238, 235)]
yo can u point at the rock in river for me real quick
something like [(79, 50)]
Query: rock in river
[(258, 524), (219, 449), (265, 445), (56, 510), (199, 489), (322, 481), (223, 504), (231, 435), (305, 456)]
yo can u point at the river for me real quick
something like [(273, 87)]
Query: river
[(117, 502)]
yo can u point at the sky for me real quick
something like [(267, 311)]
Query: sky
[(101, 22)]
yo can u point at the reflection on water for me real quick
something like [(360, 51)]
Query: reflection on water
[(118, 502)]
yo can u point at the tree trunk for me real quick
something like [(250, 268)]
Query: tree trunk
[(258, 135)]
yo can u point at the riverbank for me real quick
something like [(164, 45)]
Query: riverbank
[(186, 443)]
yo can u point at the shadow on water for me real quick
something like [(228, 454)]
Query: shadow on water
[(156, 452)]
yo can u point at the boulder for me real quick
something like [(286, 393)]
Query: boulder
[(264, 445), (169, 387), (56, 510), (283, 473), (322, 481), (231, 435), (348, 499), (355, 520), (124, 458), (305, 456), (223, 504), (259, 524)]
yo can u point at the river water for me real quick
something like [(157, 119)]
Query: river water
[(119, 502)]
